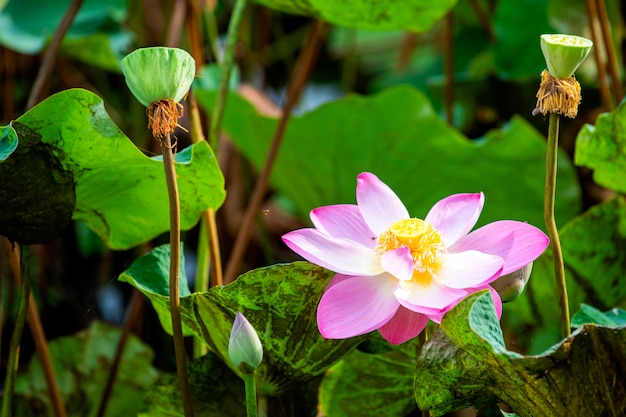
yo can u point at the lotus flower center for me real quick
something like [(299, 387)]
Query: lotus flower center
[(424, 241)]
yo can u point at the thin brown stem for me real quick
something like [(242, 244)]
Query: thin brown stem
[(216, 256), (179, 10), (449, 67), (16, 337), (605, 25), (300, 76), (483, 20), (605, 92), (132, 314), (50, 55), (551, 227), (409, 44), (8, 83), (177, 328), (191, 22), (41, 346), (208, 223)]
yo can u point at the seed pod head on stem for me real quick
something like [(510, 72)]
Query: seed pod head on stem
[(244, 347), (159, 78), (559, 91), (158, 73), (564, 53)]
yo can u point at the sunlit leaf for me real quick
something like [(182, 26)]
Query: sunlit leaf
[(396, 135), (279, 301), (74, 161), (603, 148), (82, 363), (466, 362), (415, 16)]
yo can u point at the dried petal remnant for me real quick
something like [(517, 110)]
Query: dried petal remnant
[(558, 95), (163, 117)]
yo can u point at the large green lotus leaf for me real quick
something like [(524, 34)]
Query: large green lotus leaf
[(466, 362), (603, 148), (27, 25), (279, 301), (69, 141), (82, 363), (594, 252), (386, 379), (415, 15), (396, 135), (216, 391)]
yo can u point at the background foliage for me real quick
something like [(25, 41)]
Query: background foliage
[(433, 97)]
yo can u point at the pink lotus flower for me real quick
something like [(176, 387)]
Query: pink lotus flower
[(395, 272)]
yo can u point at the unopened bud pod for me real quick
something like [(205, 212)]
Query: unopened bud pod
[(510, 286), (158, 73), (564, 53), (244, 347)]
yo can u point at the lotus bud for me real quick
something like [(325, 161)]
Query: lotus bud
[(564, 53), (244, 347), (159, 78), (510, 286)]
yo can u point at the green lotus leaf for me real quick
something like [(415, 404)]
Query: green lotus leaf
[(466, 363), (279, 301), (74, 162)]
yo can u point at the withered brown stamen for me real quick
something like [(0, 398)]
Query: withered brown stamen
[(558, 95), (163, 116)]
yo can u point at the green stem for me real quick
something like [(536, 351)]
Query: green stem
[(249, 380), (177, 327), (213, 34), (226, 68), (14, 348), (548, 213)]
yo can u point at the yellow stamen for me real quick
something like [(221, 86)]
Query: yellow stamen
[(424, 241)]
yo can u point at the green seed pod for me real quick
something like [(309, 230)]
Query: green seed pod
[(564, 53), (244, 346), (158, 73), (510, 286)]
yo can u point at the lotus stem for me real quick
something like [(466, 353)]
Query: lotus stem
[(16, 337), (177, 328), (553, 233), (249, 380)]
